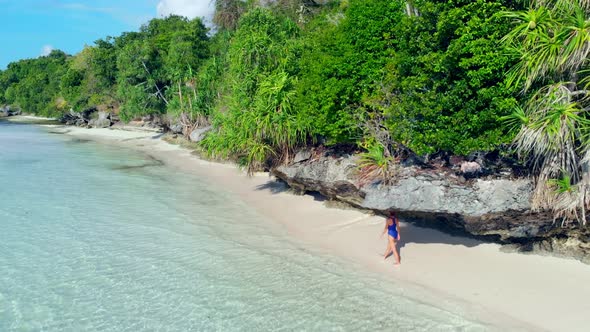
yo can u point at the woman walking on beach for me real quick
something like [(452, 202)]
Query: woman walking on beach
[(392, 230)]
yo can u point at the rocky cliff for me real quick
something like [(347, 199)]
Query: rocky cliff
[(493, 209), (6, 111)]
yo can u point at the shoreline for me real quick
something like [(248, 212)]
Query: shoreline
[(507, 290)]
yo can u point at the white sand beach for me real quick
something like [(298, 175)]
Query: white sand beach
[(508, 290)]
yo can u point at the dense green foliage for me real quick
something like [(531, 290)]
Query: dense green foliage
[(446, 80), (344, 59), (35, 84), (292, 72), (132, 74), (437, 76), (151, 62)]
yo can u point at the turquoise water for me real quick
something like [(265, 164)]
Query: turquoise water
[(95, 238)]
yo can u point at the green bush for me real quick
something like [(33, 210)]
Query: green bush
[(445, 89)]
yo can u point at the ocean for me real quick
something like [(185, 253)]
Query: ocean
[(99, 238)]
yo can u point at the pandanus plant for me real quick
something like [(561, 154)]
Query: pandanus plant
[(552, 42)]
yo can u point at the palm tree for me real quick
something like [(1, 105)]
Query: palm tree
[(552, 42)]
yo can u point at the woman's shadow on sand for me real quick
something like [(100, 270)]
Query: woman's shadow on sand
[(411, 233)]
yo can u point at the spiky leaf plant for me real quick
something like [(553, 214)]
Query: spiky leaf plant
[(552, 41)]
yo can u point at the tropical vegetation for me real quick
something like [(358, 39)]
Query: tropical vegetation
[(551, 41), (381, 76)]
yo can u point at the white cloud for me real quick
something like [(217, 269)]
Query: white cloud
[(188, 8), (46, 50)]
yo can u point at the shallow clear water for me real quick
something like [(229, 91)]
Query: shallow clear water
[(95, 238)]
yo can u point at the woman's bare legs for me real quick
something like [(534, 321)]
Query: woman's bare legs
[(388, 250), (394, 249)]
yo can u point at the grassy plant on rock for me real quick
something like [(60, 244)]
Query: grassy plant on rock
[(376, 164)]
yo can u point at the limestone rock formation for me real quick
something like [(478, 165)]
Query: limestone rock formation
[(198, 134), (7, 111), (103, 120)]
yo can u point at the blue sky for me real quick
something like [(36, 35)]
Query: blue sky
[(30, 27)]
